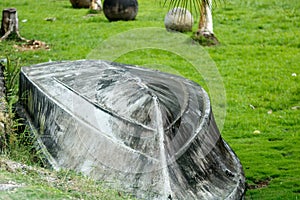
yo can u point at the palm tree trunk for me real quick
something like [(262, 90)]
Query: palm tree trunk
[(205, 34), (205, 21)]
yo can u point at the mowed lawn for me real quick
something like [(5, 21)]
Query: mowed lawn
[(258, 60)]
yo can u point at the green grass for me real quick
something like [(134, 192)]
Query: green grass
[(259, 52)]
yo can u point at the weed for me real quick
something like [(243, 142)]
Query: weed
[(17, 140), (10, 74)]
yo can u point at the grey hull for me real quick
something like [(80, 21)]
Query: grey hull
[(141, 131)]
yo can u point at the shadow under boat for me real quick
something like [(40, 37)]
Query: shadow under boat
[(145, 132)]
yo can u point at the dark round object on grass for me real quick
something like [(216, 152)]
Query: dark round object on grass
[(80, 3), (116, 10)]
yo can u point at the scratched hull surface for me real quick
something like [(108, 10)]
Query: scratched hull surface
[(141, 131)]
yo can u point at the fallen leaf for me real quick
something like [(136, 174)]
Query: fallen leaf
[(270, 112)]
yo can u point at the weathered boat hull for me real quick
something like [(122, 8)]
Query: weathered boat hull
[(145, 132)]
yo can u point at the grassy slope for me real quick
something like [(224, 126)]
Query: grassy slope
[(259, 51), (37, 183)]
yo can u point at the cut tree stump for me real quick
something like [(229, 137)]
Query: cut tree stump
[(10, 24)]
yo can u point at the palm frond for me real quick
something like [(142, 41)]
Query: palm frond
[(191, 5)]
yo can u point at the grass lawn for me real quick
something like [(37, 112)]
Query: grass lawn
[(258, 60)]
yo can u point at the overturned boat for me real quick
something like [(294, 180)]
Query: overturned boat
[(141, 131)]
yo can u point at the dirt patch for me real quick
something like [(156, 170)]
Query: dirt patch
[(258, 184), (32, 45)]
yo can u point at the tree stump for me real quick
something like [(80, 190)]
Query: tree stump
[(10, 24)]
